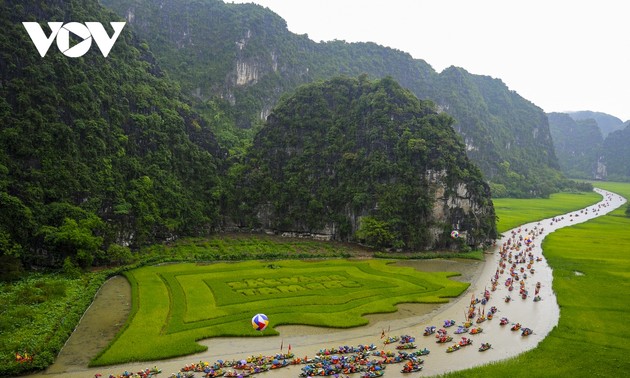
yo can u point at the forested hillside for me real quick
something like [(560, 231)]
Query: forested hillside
[(239, 59), (352, 159), (96, 153), (616, 154), (578, 145), (583, 153)]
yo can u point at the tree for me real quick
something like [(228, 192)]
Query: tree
[(75, 239), (375, 233)]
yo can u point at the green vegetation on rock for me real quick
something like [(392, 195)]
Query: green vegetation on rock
[(363, 160), (242, 59), (94, 150)]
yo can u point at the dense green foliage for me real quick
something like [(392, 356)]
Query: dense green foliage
[(616, 154), (181, 303), (583, 153), (577, 144), (241, 58), (37, 315), (363, 160), (588, 340), (94, 150)]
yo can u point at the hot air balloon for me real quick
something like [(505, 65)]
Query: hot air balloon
[(260, 322)]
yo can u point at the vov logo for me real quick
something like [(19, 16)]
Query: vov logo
[(87, 32)]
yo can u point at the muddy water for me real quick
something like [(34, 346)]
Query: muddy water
[(100, 323), (411, 319)]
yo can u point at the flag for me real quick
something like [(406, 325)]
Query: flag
[(289, 347), (383, 334), (281, 345)]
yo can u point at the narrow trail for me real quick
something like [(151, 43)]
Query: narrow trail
[(541, 316)]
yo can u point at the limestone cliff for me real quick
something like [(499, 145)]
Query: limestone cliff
[(352, 159)]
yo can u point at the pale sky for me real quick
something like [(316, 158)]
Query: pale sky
[(562, 55)]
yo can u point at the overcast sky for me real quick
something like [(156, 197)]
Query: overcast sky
[(562, 55)]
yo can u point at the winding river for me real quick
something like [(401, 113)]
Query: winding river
[(541, 316)]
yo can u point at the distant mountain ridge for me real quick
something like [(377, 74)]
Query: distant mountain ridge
[(584, 153), (606, 122), (241, 58)]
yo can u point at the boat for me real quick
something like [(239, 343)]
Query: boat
[(449, 323), (234, 373), (516, 327), (373, 374), (460, 330), (526, 331), (475, 330), (444, 339), (441, 332), (429, 330), (404, 339), (414, 355), (484, 347), (423, 352), (453, 348), (411, 367), (406, 346), (504, 321), (465, 341), (391, 339), (183, 374)]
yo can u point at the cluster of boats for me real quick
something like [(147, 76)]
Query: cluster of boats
[(365, 360), (146, 373)]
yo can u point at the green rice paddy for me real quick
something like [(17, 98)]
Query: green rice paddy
[(513, 212), (591, 269), (175, 305)]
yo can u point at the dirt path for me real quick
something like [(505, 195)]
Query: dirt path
[(411, 319)]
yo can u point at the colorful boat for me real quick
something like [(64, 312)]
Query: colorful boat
[(444, 339), (460, 330), (429, 330), (406, 346), (475, 330), (453, 348), (484, 347)]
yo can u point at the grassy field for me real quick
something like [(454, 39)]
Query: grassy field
[(174, 305), (591, 268), (513, 212), (37, 314)]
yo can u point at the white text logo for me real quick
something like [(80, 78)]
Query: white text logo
[(87, 32)]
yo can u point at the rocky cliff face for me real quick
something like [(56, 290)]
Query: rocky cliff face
[(351, 159), (244, 54)]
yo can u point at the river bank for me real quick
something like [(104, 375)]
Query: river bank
[(540, 316)]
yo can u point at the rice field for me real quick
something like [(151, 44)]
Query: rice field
[(175, 305), (591, 265), (512, 212)]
